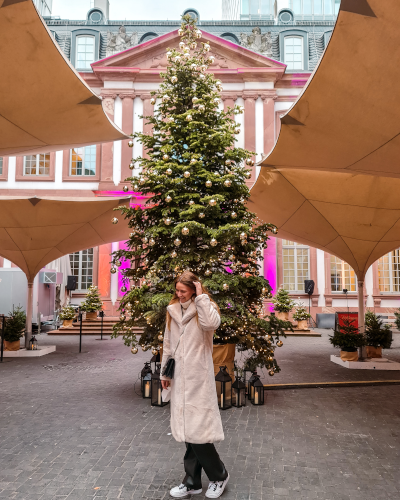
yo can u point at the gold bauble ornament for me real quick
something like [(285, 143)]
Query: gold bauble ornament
[(122, 317), (208, 183), (211, 59), (213, 242), (123, 289), (134, 350), (212, 202), (165, 157), (232, 257), (198, 33), (225, 286), (135, 187), (191, 202), (193, 161), (165, 98), (202, 77), (152, 101), (228, 162), (264, 290), (168, 171), (186, 55), (206, 47), (152, 242), (271, 373), (118, 263), (247, 175), (131, 165), (185, 231), (113, 270), (169, 53), (154, 352), (227, 183), (161, 338), (236, 131), (181, 45), (189, 118), (130, 143), (248, 161), (114, 220), (177, 242), (216, 100), (125, 189), (186, 174), (279, 343), (233, 215), (194, 100), (193, 66), (201, 215), (173, 254), (180, 32), (144, 348), (131, 235), (145, 240), (202, 107), (167, 221), (208, 272), (168, 199), (270, 358), (174, 79), (243, 236), (193, 45)]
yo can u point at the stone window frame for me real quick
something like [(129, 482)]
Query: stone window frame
[(84, 32), (20, 175), (67, 177), (4, 172), (294, 33), (296, 247)]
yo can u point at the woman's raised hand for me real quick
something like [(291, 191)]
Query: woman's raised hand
[(165, 384), (199, 290)]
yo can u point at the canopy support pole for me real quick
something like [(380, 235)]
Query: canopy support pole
[(29, 310), (361, 315)]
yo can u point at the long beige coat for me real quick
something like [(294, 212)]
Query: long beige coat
[(195, 416)]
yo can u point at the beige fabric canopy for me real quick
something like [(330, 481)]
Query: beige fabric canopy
[(316, 185), (45, 105), (36, 231)]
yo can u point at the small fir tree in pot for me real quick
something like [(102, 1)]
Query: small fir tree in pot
[(283, 304), (377, 335), (67, 314), (348, 338), (92, 303), (14, 329), (196, 217), (301, 316)]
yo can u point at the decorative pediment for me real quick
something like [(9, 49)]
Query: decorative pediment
[(152, 55)]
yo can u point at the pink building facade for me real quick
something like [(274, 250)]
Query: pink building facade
[(267, 91)]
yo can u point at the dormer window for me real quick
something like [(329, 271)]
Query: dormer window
[(85, 55), (293, 55)]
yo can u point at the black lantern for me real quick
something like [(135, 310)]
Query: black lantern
[(145, 380), (33, 344), (224, 388), (238, 393), (258, 391), (247, 374), (155, 359), (156, 388), (250, 388)]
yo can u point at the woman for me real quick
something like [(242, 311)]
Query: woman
[(192, 317)]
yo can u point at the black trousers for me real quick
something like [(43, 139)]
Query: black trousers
[(202, 456)]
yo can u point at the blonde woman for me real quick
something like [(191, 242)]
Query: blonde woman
[(192, 318)]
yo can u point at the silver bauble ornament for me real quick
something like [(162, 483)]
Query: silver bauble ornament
[(213, 242), (181, 45), (279, 343), (152, 242), (135, 187), (186, 174), (152, 101), (189, 118), (169, 54), (165, 98), (180, 32), (193, 161), (154, 352), (173, 254), (202, 107), (125, 189), (131, 165), (177, 242), (225, 286), (247, 175), (236, 131), (185, 231), (168, 199), (114, 220), (208, 272), (233, 215), (208, 184), (227, 183), (193, 67), (228, 162), (198, 33), (271, 373), (167, 221), (201, 215), (202, 77), (248, 161), (113, 270), (211, 59), (212, 202), (118, 263), (123, 289), (206, 47), (193, 45), (145, 239), (130, 143), (165, 157), (168, 171), (191, 202), (134, 350)]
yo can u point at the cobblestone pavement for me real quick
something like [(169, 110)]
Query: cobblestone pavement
[(72, 427)]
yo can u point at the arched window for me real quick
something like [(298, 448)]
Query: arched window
[(85, 54), (148, 36), (296, 265), (294, 53), (231, 37)]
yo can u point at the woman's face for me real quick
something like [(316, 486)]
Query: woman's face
[(183, 292)]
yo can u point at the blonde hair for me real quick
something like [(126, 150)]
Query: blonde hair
[(187, 278)]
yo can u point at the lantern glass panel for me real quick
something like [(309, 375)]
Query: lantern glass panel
[(156, 389), (33, 344), (238, 393), (250, 387), (224, 388), (258, 393), (147, 385)]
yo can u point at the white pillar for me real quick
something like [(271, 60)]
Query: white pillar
[(114, 277), (29, 308), (7, 263), (259, 133), (117, 150), (361, 314), (369, 287), (137, 127), (321, 277)]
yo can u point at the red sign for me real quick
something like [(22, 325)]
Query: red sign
[(352, 316)]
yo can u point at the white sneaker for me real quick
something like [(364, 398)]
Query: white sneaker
[(182, 491), (216, 488)]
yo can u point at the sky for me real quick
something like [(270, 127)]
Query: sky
[(140, 9)]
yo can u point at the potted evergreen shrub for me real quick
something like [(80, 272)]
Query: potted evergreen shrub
[(348, 338), (92, 303), (301, 316), (14, 329), (283, 304), (377, 335), (67, 314)]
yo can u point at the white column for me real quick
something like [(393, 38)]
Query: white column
[(7, 263), (117, 150), (321, 276), (259, 132), (114, 277), (29, 307), (137, 149), (361, 314), (58, 169), (12, 160), (369, 285), (240, 120)]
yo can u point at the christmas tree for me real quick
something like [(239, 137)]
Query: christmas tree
[(196, 216), (92, 300), (347, 335), (282, 301)]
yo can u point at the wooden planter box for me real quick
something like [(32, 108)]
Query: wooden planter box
[(302, 324), (12, 346), (91, 315), (67, 323)]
